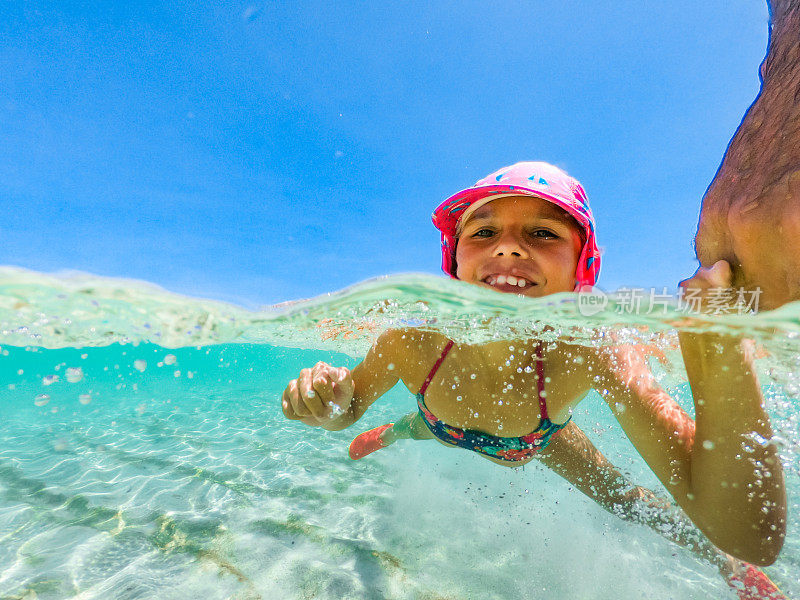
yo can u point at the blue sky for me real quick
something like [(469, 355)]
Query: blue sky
[(260, 152)]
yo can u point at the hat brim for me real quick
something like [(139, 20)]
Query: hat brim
[(466, 202)]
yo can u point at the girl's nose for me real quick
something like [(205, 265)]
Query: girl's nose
[(510, 244)]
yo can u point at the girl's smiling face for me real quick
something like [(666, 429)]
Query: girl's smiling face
[(519, 244)]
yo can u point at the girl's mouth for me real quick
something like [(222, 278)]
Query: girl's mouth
[(508, 282)]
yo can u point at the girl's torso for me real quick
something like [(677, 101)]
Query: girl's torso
[(493, 388)]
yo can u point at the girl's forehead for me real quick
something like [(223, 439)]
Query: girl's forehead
[(519, 206)]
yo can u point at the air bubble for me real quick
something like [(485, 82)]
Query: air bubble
[(41, 400), (140, 365), (74, 374)]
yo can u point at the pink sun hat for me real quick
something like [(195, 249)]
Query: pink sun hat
[(537, 179)]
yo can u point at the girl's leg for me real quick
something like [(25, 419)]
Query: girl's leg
[(408, 427)]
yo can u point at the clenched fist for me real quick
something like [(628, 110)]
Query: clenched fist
[(318, 395)]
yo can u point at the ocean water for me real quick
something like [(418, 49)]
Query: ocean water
[(143, 453)]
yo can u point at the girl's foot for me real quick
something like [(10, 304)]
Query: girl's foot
[(751, 583), (368, 442)]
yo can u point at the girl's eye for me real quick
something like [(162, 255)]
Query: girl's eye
[(544, 233), (484, 232)]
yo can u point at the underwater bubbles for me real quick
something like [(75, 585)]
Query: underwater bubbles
[(74, 374)]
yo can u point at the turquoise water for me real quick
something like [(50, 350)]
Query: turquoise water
[(143, 454)]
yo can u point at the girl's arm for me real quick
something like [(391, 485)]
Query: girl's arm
[(723, 472), (735, 469), (334, 398), (573, 456)]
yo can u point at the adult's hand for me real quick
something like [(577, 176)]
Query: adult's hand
[(750, 215)]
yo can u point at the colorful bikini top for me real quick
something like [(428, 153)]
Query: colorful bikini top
[(511, 449)]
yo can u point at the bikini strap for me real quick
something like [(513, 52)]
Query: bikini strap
[(436, 367), (540, 382)]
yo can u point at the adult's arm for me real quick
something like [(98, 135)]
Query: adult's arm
[(750, 214)]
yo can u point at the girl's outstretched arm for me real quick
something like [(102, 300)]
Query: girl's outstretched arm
[(736, 474), (573, 456), (335, 397), (723, 472)]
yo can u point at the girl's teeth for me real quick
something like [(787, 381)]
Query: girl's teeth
[(507, 279)]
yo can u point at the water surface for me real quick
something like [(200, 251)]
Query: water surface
[(143, 453)]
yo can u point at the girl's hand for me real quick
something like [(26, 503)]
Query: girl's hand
[(319, 395), (709, 285)]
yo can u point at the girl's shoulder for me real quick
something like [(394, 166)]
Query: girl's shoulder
[(411, 340), (411, 350)]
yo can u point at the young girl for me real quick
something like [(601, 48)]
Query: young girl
[(527, 229)]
